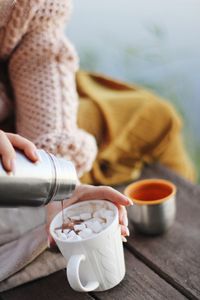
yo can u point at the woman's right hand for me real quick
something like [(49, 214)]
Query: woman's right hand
[(9, 141)]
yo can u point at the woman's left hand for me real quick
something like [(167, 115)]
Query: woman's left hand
[(85, 192)]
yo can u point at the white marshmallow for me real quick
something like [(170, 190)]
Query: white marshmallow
[(85, 233), (61, 234), (66, 231), (102, 213), (86, 209), (105, 213), (98, 207), (79, 227), (109, 220), (71, 234), (97, 214), (74, 238), (85, 216), (108, 213), (71, 212), (75, 218), (100, 220), (96, 227), (88, 223)]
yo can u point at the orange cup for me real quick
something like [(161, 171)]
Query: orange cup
[(154, 205)]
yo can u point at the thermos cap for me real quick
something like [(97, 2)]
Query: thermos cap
[(65, 179)]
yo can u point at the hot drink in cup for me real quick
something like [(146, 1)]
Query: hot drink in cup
[(154, 205), (90, 240)]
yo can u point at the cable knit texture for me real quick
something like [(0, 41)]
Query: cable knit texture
[(42, 66)]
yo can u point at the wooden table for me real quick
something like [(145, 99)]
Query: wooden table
[(163, 267)]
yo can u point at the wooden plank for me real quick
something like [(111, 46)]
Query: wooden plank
[(53, 287), (140, 283), (176, 254), (174, 257)]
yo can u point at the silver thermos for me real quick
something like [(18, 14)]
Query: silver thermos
[(36, 184)]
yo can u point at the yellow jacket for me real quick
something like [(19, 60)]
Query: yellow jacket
[(133, 127)]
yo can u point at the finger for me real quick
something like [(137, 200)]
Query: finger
[(124, 231), (124, 240), (7, 152), (25, 145), (113, 195), (123, 219), (104, 193)]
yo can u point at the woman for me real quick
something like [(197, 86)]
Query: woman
[(38, 64), (22, 230), (41, 63)]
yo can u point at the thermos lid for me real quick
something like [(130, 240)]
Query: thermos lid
[(65, 179)]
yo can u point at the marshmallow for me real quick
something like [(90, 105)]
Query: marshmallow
[(98, 207), (89, 223), (108, 213), (71, 212), (105, 213), (61, 234), (102, 213), (96, 227), (66, 231), (75, 218), (100, 220), (109, 220), (96, 214), (74, 238), (85, 216), (79, 227), (71, 234), (86, 209), (85, 233)]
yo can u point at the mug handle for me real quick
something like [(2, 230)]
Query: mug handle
[(73, 275)]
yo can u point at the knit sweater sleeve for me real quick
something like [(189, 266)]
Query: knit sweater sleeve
[(42, 71), (5, 104)]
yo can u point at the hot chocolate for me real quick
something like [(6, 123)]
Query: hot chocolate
[(86, 222)]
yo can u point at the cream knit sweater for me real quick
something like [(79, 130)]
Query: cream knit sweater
[(42, 65)]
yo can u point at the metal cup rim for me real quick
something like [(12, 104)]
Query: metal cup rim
[(138, 183)]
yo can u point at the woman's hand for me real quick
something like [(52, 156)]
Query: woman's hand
[(88, 192), (7, 152)]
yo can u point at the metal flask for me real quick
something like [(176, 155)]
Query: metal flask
[(37, 184)]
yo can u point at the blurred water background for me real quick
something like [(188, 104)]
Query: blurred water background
[(152, 43)]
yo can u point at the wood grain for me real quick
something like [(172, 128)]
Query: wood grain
[(53, 287), (175, 255), (163, 267), (140, 283)]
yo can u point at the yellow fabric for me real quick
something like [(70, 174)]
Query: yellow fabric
[(132, 126)]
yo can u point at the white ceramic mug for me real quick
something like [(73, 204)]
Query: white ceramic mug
[(96, 263)]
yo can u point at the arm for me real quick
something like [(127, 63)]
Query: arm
[(5, 104), (42, 71), (83, 192)]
